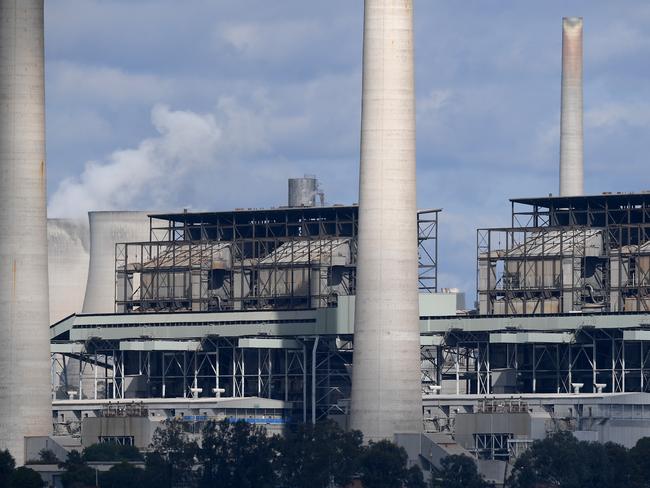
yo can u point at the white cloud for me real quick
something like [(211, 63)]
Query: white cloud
[(270, 40), (614, 114), (143, 176), (433, 102), (87, 83)]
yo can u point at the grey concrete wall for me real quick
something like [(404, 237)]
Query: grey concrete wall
[(141, 428), (68, 256)]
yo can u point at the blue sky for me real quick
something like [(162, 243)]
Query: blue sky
[(213, 104)]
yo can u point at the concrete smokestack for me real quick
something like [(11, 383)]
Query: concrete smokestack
[(571, 138), (106, 230), (386, 391), (25, 398)]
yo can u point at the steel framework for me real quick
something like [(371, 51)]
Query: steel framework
[(287, 258), (567, 254)]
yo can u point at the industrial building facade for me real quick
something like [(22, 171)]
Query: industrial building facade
[(255, 306), (567, 254), (250, 314)]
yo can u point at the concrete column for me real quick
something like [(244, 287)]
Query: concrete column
[(25, 398), (106, 230), (386, 391), (571, 131)]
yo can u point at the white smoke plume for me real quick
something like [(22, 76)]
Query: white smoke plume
[(150, 175)]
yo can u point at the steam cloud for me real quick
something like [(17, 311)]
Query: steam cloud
[(150, 175)]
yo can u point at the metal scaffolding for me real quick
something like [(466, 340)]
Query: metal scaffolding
[(277, 259), (567, 254), (591, 360)]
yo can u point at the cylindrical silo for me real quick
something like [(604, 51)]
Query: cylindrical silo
[(303, 191), (386, 391), (571, 128), (68, 256), (106, 230), (25, 398)]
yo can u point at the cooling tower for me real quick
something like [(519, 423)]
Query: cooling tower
[(25, 398), (106, 230), (386, 392), (68, 254), (571, 131)]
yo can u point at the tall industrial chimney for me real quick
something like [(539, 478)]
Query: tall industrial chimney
[(571, 131), (25, 398), (386, 391)]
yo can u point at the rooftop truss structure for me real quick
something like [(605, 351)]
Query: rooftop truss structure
[(276, 259), (567, 254)]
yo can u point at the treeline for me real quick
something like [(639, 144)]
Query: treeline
[(563, 461), (560, 461), (241, 455)]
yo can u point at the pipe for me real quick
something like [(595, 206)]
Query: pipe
[(313, 380)]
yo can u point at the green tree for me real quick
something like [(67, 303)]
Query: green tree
[(458, 471), (111, 452), (25, 478), (46, 456), (235, 455), (314, 456), (563, 461), (172, 443), (414, 478), (383, 465), (7, 466), (77, 473), (123, 475), (156, 471), (639, 463)]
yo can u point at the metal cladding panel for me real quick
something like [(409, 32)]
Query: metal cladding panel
[(302, 192), (386, 391), (571, 124), (106, 230), (68, 244), (25, 399)]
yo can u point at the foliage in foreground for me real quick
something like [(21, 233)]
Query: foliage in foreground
[(563, 461), (458, 472), (12, 477), (242, 455)]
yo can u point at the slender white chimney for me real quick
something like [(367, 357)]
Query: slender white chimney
[(571, 138), (25, 390), (386, 391)]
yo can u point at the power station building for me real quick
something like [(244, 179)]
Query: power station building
[(243, 314), (260, 314), (249, 314)]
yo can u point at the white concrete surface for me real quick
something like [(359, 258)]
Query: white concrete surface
[(386, 397), (571, 129), (25, 399), (106, 230), (68, 248)]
